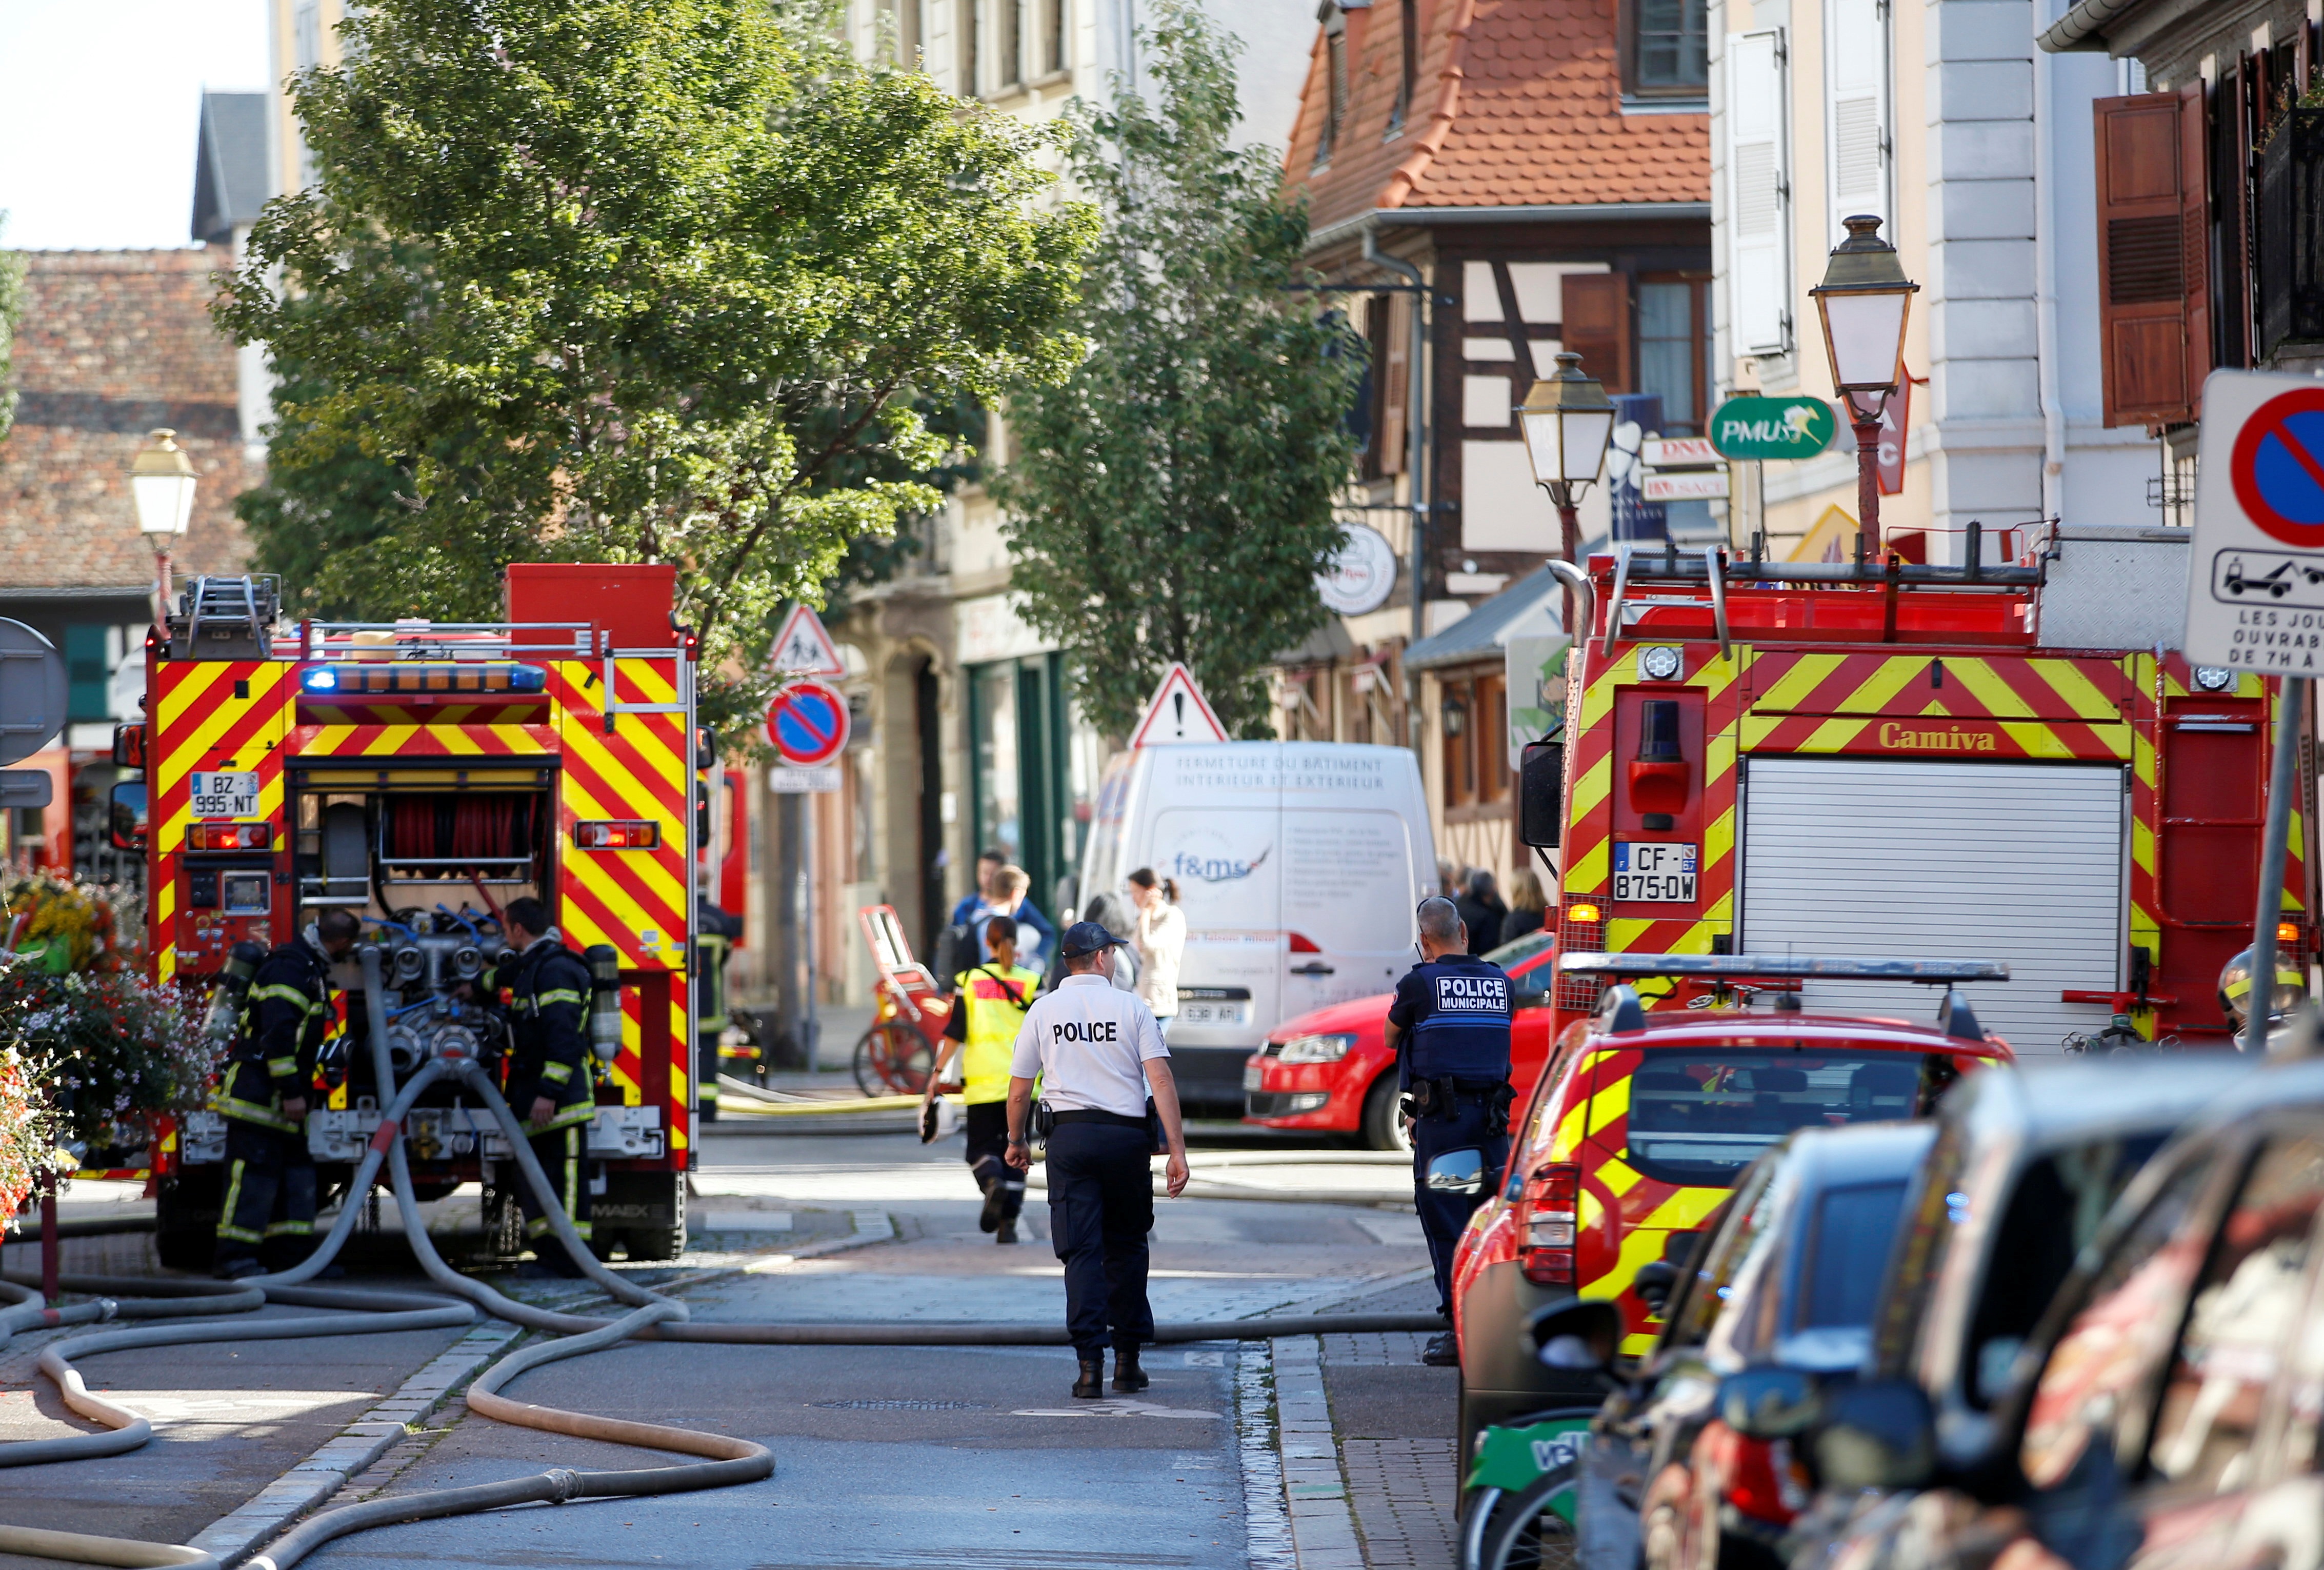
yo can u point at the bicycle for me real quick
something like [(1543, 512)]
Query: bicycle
[(1520, 1492), (900, 1049)]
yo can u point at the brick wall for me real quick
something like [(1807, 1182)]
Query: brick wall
[(114, 344)]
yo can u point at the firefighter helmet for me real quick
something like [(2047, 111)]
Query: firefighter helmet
[(2236, 983)]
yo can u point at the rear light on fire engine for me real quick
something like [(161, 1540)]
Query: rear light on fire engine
[(1549, 1217), (229, 837), (1582, 913), (2287, 933), (617, 835)]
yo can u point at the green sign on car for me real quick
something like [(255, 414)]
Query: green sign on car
[(1754, 427)]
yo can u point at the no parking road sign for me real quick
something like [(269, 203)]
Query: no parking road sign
[(2256, 592), (808, 724)]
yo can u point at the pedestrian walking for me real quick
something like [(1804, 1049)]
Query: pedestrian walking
[(988, 1010), (1160, 941), (1033, 932), (1105, 1084), (1528, 907), (1480, 908), (269, 1192), (1448, 1027)]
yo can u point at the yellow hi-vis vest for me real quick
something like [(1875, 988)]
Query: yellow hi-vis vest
[(994, 1019)]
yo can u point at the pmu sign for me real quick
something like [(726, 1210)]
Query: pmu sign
[(2256, 592)]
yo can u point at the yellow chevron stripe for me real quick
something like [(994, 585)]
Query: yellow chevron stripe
[(1613, 1101), (1588, 871), (2142, 758), (2000, 699), (189, 752), (1686, 1209), (1833, 735), (1887, 679), (1569, 1129), (1806, 674), (2142, 845), (1619, 1176), (2065, 678), (647, 674), (591, 872), (648, 868), (680, 1130), (1719, 839), (1592, 789)]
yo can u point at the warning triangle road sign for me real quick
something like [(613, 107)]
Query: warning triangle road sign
[(804, 648), (1178, 713)]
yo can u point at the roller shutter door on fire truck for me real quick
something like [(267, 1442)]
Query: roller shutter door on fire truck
[(2022, 862)]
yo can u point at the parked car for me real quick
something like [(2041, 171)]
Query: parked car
[(1297, 865), (2163, 1415), (1639, 1126), (1793, 1287), (1330, 1070)]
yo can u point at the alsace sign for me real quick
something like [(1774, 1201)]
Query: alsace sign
[(1756, 427)]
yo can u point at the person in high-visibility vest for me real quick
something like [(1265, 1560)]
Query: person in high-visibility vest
[(988, 1007)]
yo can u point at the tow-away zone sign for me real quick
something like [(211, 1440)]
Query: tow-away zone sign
[(2255, 596)]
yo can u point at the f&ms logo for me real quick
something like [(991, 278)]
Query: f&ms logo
[(1209, 859)]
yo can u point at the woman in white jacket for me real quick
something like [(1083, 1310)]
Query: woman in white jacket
[(1161, 938)]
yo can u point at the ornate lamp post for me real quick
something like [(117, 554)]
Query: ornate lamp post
[(1863, 302), (1568, 421), (161, 482)]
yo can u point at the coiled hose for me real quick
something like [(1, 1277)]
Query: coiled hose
[(726, 1461)]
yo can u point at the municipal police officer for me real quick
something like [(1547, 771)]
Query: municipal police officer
[(545, 988), (1099, 1055), (270, 1193), (1448, 1027)]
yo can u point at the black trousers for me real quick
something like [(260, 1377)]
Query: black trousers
[(1101, 1208), (270, 1197), (1443, 1215), (987, 1123), (563, 1154)]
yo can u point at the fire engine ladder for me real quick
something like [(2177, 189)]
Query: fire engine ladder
[(1627, 553)]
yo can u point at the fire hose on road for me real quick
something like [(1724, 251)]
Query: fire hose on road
[(726, 1461)]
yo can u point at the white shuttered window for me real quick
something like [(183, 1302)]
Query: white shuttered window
[(1858, 148), (1758, 195)]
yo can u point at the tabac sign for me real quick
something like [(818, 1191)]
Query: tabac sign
[(1753, 426)]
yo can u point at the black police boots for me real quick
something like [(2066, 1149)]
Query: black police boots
[(1092, 1385), (989, 1218), (1128, 1379)]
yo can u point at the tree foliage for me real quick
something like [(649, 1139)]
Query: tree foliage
[(638, 280), (12, 309), (1172, 500)]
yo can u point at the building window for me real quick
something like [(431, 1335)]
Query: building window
[(1011, 43), (1053, 36), (906, 17), (1665, 49), (1335, 84), (1455, 721), (1672, 327), (972, 46), (1473, 722), (1407, 20)]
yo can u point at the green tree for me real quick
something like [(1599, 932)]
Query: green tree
[(641, 281), (1172, 500)]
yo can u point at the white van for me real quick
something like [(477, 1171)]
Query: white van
[(1298, 865)]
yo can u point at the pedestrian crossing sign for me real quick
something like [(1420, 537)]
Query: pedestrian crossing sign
[(804, 648)]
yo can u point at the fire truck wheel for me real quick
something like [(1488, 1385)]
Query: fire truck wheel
[(1383, 1126), (656, 1242), (186, 1218)]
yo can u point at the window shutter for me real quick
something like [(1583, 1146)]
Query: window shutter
[(1856, 141), (1758, 195), (1396, 385), (2143, 256), (2195, 238), (1597, 325)]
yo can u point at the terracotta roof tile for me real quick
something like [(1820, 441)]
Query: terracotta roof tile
[(1517, 102)]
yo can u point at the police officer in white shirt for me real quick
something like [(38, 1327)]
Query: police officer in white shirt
[(1099, 1055)]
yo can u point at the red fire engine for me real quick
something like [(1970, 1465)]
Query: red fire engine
[(422, 774), (1989, 762)]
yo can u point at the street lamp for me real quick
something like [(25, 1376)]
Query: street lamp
[(162, 484), (1568, 419), (1863, 302)]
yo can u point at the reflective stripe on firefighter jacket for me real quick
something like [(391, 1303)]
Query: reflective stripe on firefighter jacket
[(1454, 1013), (283, 1020), (996, 1001), (546, 993)]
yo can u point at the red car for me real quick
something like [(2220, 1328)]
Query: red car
[(1636, 1134), (1329, 1069)]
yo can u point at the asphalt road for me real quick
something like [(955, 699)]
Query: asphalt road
[(885, 1456)]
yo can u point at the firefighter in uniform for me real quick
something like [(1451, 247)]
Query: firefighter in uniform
[(1448, 1027), (988, 1010), (270, 1191), (544, 988)]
